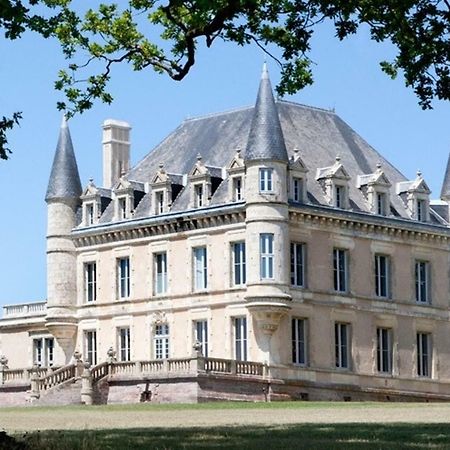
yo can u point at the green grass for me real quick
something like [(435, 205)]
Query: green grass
[(308, 436)]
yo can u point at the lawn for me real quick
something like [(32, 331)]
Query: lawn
[(261, 426)]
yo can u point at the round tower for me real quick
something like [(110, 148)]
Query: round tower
[(267, 228), (63, 200)]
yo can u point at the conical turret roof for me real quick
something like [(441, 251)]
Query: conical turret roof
[(64, 182), (445, 191), (265, 140)]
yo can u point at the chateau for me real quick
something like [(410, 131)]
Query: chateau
[(263, 253)]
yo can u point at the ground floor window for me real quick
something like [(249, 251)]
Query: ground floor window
[(342, 345), (384, 350), (240, 338), (299, 341), (90, 347), (43, 352), (201, 335), (423, 354), (161, 341), (124, 344)]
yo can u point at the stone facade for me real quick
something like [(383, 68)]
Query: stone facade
[(331, 273)]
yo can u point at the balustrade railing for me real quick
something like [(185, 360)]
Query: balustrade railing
[(249, 368), (100, 371), (218, 365), (152, 366), (25, 309), (179, 365), (57, 377)]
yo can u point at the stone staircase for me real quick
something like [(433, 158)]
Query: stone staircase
[(66, 393)]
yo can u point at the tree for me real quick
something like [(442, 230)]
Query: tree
[(165, 35)]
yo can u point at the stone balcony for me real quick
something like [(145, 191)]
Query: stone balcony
[(24, 310)]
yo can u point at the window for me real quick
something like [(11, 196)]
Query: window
[(423, 354), (342, 345), (422, 276), (339, 192), (160, 261), (240, 338), (201, 335), (266, 255), (123, 266), (43, 352), (382, 269), (340, 265), (161, 341), (198, 192), (297, 265), (122, 208), (239, 276), (90, 214), (237, 189), (384, 350), (421, 210), (265, 180), (299, 341), (124, 344), (90, 281), (381, 203), (200, 269), (159, 202), (298, 189), (90, 343)]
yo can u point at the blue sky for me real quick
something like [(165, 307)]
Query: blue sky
[(347, 78)]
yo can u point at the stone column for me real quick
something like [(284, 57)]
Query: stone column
[(86, 386)]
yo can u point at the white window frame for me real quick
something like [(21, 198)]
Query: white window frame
[(122, 210), (89, 211), (424, 354), (124, 343), (43, 351), (199, 195), (90, 281), (422, 281), (298, 260), (340, 270), (201, 335), (299, 341), (237, 189), (159, 202), (342, 342), (382, 276), (266, 179), (266, 244), (200, 268), (298, 186), (123, 277), (160, 273), (240, 338), (161, 341), (239, 277), (384, 350), (90, 346)]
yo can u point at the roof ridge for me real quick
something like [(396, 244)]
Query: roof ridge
[(228, 111), (290, 102)]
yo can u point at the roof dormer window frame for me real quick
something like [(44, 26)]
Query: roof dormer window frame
[(417, 199), (160, 201), (297, 178), (335, 184), (122, 206), (90, 212)]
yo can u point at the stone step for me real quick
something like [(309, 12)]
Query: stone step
[(67, 393)]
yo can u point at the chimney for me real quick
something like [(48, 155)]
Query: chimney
[(116, 151)]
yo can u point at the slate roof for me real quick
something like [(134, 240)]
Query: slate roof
[(64, 182), (445, 192)]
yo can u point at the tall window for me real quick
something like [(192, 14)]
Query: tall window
[(424, 354), (298, 189), (340, 269), (90, 214), (421, 210), (240, 338), (299, 341), (422, 276), (384, 350), (122, 208), (265, 180), (199, 195), (160, 261), (200, 269), (124, 344), (159, 202), (339, 193), (237, 189), (161, 341), (90, 344), (381, 203), (342, 345), (266, 255), (90, 281), (123, 268), (382, 272), (297, 264), (43, 352), (201, 335), (239, 275)]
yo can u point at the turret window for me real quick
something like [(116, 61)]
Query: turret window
[(266, 255), (266, 180)]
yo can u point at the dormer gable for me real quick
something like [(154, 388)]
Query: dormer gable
[(297, 178), (416, 196), (376, 189), (127, 194), (164, 189), (236, 177), (94, 202), (334, 182)]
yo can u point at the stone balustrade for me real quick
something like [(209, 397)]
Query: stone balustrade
[(24, 310), (55, 377)]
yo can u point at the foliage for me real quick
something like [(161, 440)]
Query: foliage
[(165, 36)]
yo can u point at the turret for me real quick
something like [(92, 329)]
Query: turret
[(267, 230), (63, 200)]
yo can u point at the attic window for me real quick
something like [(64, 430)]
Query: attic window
[(297, 189), (421, 210), (122, 208), (159, 202), (381, 203), (89, 213), (237, 189), (339, 196), (199, 195)]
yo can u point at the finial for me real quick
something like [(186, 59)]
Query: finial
[(161, 165), (419, 174), (91, 181), (238, 151), (64, 121), (265, 72), (338, 159), (199, 157), (378, 167)]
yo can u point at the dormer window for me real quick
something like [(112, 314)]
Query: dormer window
[(381, 203), (415, 195), (266, 180), (339, 196), (199, 195), (334, 182), (421, 210), (237, 189), (236, 174), (122, 208), (297, 178), (159, 202), (90, 213), (376, 187), (297, 185), (95, 200)]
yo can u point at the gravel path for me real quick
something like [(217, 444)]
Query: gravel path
[(36, 419)]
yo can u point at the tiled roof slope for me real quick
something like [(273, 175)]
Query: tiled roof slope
[(320, 136)]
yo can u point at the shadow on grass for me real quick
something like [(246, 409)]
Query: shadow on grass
[(311, 436)]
